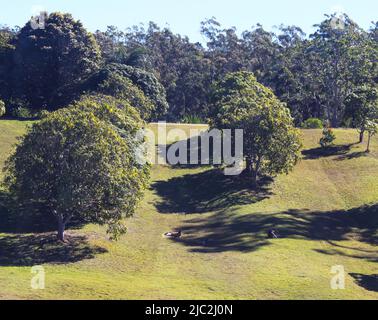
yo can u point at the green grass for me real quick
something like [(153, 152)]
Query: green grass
[(321, 210)]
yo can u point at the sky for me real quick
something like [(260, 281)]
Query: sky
[(184, 16)]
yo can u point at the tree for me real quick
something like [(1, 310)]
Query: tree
[(116, 85), (48, 59), (362, 105), (335, 55), (79, 163), (328, 138), (146, 82), (271, 143), (182, 67)]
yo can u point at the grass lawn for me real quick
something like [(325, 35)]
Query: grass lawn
[(325, 211)]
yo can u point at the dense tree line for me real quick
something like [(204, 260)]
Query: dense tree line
[(315, 75)]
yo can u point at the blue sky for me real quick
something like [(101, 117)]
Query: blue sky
[(184, 16)]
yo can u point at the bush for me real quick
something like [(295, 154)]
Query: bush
[(2, 108), (147, 82), (313, 123), (22, 113), (328, 138), (79, 163), (192, 119)]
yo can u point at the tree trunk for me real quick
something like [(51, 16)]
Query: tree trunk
[(252, 171), (368, 144), (362, 132), (61, 228), (254, 177), (249, 166)]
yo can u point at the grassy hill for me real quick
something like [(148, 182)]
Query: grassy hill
[(325, 211)]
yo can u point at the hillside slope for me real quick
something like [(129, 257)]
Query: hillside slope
[(324, 211)]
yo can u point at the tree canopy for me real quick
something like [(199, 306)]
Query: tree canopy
[(313, 74), (79, 163), (47, 59), (271, 143)]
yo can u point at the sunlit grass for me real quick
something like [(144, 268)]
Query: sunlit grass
[(224, 252)]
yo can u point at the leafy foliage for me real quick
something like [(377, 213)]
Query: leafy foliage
[(328, 138), (146, 82), (314, 74), (50, 58), (313, 123), (271, 143), (116, 85), (192, 119), (79, 163)]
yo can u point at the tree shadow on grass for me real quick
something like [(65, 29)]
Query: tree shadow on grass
[(30, 238), (368, 282), (230, 231), (16, 219), (29, 250), (207, 191), (336, 150), (353, 155), (203, 150)]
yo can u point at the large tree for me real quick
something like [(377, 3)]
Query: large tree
[(56, 54), (271, 143), (80, 163), (336, 57), (362, 106), (145, 81)]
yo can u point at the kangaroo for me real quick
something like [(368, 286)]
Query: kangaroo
[(174, 234), (273, 234)]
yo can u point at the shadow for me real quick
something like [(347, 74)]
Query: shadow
[(368, 282), (229, 231), (208, 191), (203, 150), (31, 237), (353, 155), (330, 151), (30, 250), (17, 219)]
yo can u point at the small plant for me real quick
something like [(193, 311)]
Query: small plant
[(328, 138), (22, 113), (313, 123), (192, 119), (2, 108)]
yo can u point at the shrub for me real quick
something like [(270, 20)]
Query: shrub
[(313, 123), (22, 113), (49, 58), (79, 163), (2, 108), (192, 119), (328, 138)]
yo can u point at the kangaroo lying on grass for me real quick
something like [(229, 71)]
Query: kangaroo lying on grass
[(173, 234), (273, 234)]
